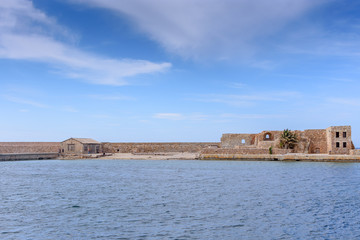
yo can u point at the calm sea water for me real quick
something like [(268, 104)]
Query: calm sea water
[(120, 199)]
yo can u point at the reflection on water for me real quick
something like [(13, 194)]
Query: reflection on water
[(117, 199)]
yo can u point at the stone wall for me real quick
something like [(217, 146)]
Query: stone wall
[(157, 147), (318, 143), (230, 140), (354, 152), (245, 151), (29, 147), (333, 140)]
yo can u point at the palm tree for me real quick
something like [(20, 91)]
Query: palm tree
[(288, 139)]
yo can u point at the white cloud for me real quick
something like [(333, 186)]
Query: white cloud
[(248, 100), (354, 102), (112, 97), (169, 116), (180, 116), (25, 101), (219, 28), (250, 116), (23, 36)]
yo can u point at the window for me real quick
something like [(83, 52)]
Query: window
[(85, 148), (243, 141), (337, 144), (344, 144), (71, 147), (267, 136), (344, 134), (337, 134)]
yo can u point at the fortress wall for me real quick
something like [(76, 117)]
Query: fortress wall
[(245, 151), (355, 152), (318, 141), (157, 147), (332, 139), (29, 147), (230, 140)]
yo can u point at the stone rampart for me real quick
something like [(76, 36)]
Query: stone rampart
[(158, 147), (29, 147), (230, 140), (355, 152), (245, 151), (318, 141), (27, 156)]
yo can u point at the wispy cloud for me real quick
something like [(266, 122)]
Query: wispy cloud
[(70, 109), (169, 116), (25, 35), (24, 101), (236, 85), (249, 116), (249, 99), (112, 97), (216, 28), (180, 116), (355, 102)]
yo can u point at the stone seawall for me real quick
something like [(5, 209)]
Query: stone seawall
[(158, 147), (245, 151), (282, 157), (29, 147), (27, 156)]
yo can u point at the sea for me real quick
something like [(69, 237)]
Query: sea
[(179, 199)]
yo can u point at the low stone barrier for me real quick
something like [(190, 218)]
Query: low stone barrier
[(282, 157), (27, 156), (29, 147), (158, 147), (355, 152), (245, 151)]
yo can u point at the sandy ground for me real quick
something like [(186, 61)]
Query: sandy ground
[(154, 156)]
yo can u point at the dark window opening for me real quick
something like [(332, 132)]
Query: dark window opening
[(344, 144), (344, 134), (71, 147), (337, 144), (85, 148), (337, 134)]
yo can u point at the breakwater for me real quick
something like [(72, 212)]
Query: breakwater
[(27, 156), (282, 157), (153, 147), (29, 147)]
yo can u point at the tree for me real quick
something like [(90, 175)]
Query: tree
[(288, 139)]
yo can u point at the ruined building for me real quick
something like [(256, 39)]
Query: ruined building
[(333, 140)]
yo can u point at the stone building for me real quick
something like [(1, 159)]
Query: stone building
[(333, 140), (80, 146)]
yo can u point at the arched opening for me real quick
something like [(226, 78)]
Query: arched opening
[(267, 136), (243, 141)]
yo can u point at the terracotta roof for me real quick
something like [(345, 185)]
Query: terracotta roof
[(85, 140)]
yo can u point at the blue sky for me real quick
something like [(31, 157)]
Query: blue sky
[(180, 70)]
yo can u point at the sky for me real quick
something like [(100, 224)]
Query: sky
[(176, 71)]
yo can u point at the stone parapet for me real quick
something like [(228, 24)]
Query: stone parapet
[(158, 147), (355, 152), (29, 147), (245, 151)]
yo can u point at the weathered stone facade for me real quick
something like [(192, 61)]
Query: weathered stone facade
[(29, 147), (339, 140), (333, 140), (80, 146), (157, 147)]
